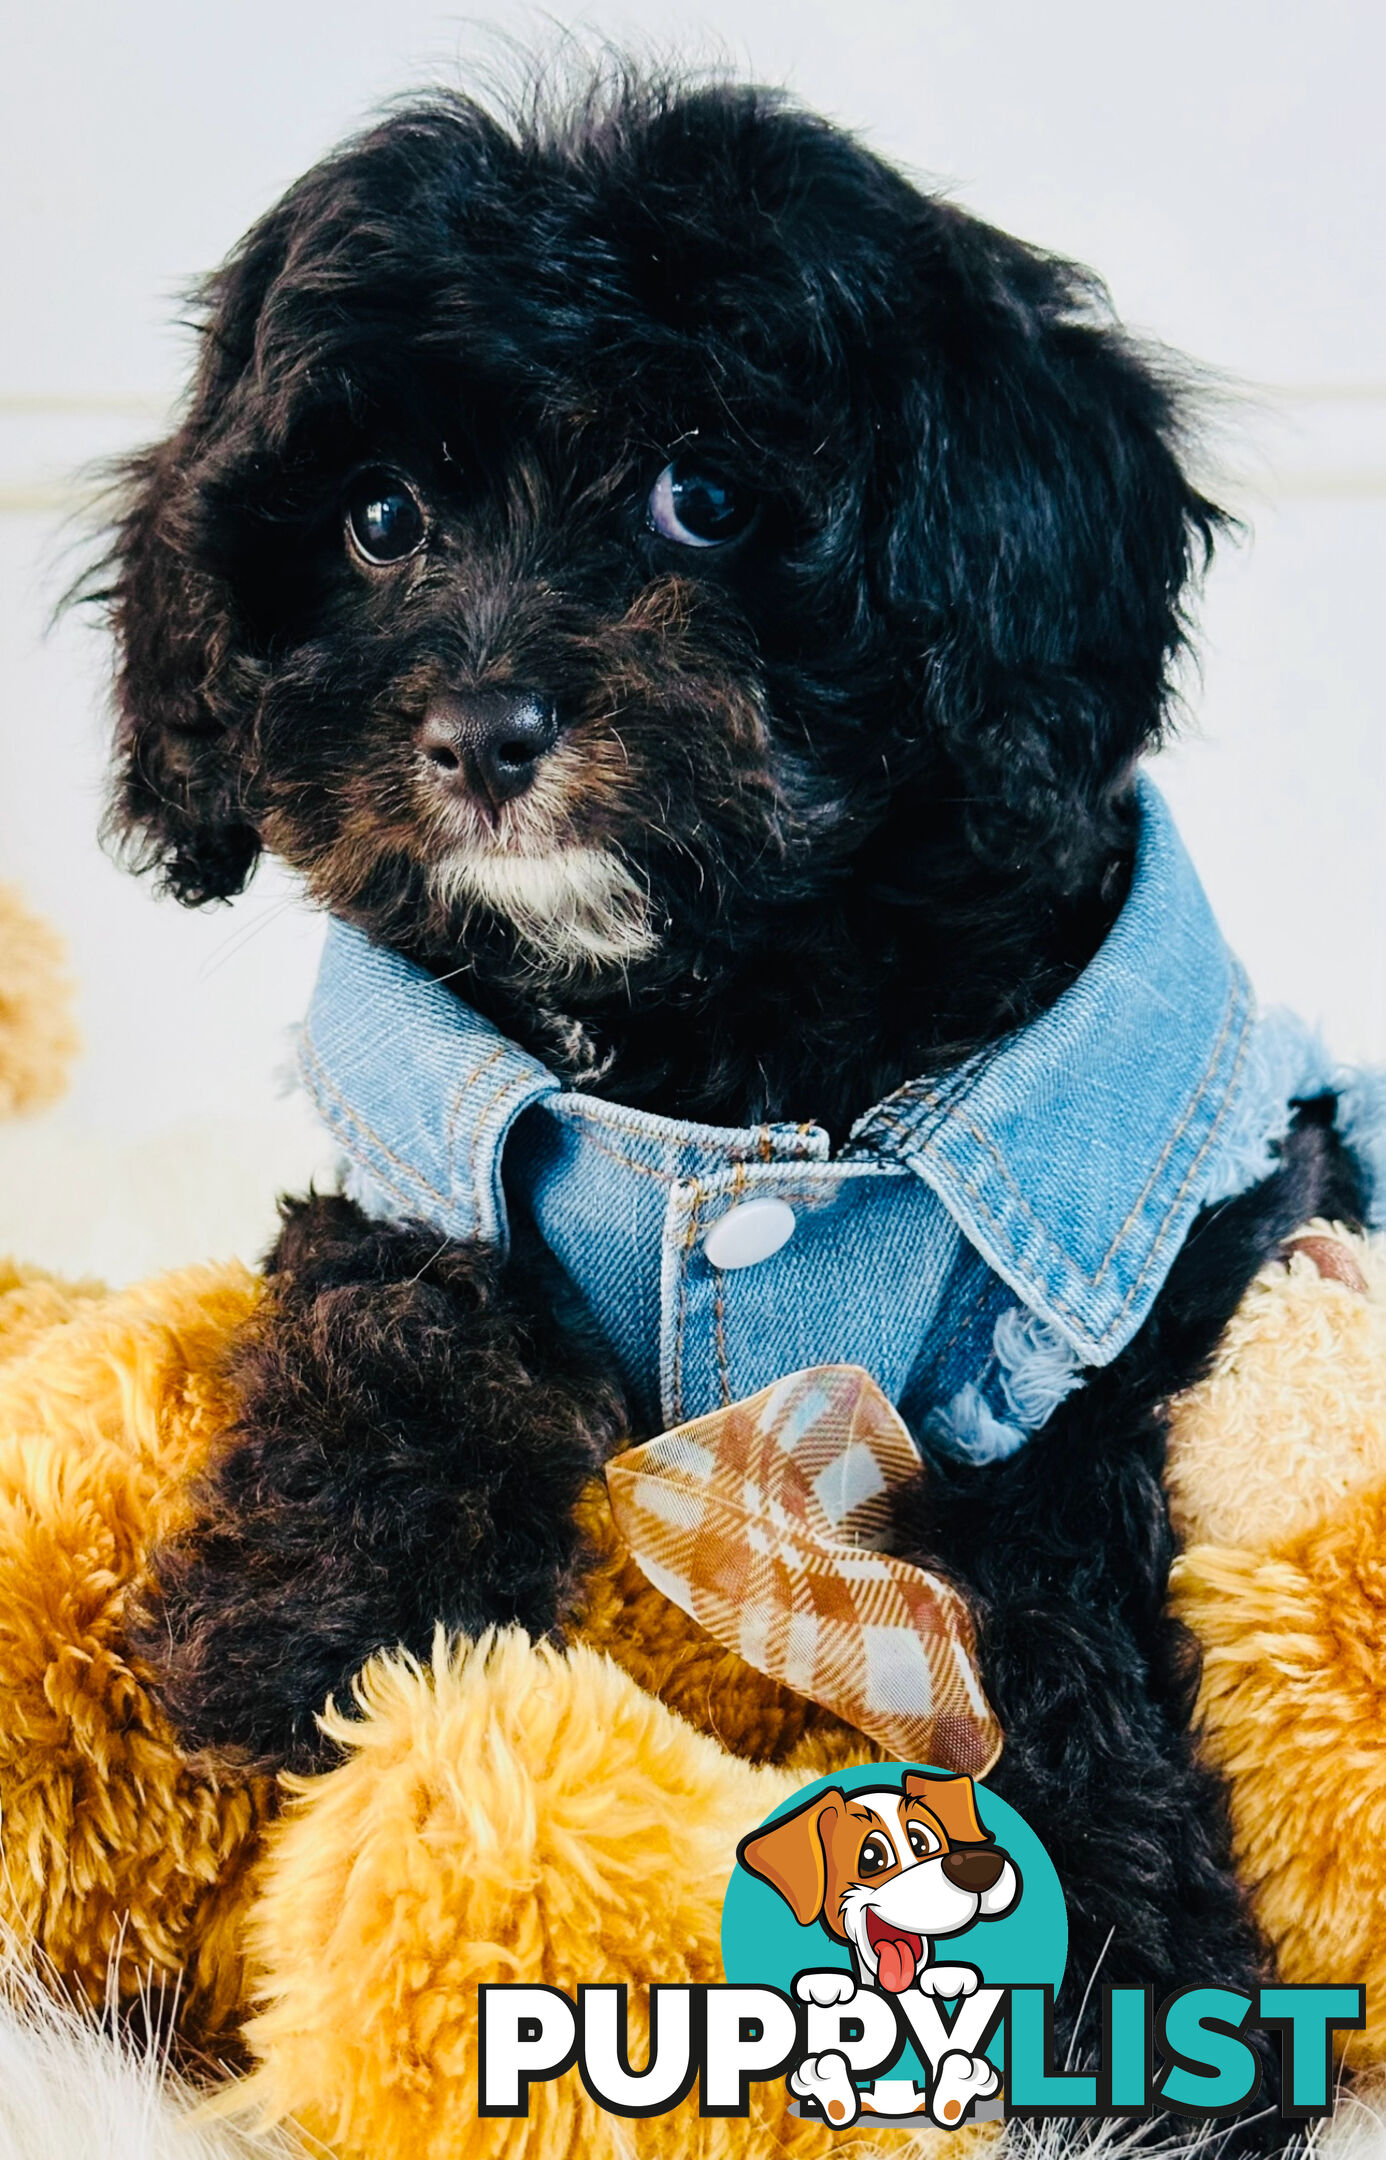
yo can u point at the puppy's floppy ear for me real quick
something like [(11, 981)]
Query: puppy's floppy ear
[(953, 1801), (184, 690), (791, 1855), (1038, 539)]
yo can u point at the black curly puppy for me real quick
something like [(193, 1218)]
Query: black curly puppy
[(705, 599)]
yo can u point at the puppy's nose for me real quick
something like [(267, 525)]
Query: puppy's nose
[(487, 741), (975, 1870)]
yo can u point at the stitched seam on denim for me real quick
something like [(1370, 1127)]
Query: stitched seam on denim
[(689, 1240), (919, 1149), (588, 1128), (805, 1196), (354, 1133), (1161, 1235), (719, 1313), (1234, 1003), (454, 1111), (1208, 1139), (892, 1109), (945, 1109), (409, 1204), (508, 1086), (628, 1162), (353, 1122), (921, 1144), (671, 1177), (577, 1113), (957, 1335), (609, 1117), (719, 1305), (998, 1226)]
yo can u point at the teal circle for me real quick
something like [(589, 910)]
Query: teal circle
[(763, 1944)]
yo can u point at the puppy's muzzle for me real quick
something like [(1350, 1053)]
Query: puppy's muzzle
[(977, 1871), (487, 744)]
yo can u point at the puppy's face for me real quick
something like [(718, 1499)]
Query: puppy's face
[(601, 546), (886, 1870), (525, 684)]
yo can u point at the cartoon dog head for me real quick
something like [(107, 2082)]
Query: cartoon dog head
[(885, 1868)]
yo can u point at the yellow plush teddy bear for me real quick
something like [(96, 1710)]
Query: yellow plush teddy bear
[(572, 1815), (1277, 1477)]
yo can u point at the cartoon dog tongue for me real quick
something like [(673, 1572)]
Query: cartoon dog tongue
[(895, 1963)]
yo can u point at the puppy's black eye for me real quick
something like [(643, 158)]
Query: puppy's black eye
[(877, 1854), (384, 518), (696, 505), (922, 1841)]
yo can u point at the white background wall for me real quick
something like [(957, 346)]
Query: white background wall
[(1221, 163)]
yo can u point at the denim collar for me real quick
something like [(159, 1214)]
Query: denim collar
[(1065, 1166)]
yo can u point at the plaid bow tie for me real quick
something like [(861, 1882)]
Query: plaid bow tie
[(764, 1522)]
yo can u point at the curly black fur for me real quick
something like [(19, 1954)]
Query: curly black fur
[(414, 1431), (862, 776)]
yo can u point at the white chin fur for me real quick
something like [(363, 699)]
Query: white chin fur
[(576, 907)]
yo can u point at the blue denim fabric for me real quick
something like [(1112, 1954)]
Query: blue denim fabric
[(974, 1244)]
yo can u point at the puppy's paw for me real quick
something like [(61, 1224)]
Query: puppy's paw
[(826, 2079), (825, 1988), (948, 1981), (414, 1429), (959, 2080)]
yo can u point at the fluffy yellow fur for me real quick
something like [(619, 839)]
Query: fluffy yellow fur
[(1293, 1709), (116, 1851), (1279, 1467), (515, 1813), (1293, 1415), (38, 1040)]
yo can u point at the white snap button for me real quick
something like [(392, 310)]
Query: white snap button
[(749, 1232)]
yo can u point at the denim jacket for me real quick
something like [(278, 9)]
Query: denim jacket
[(974, 1244)]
